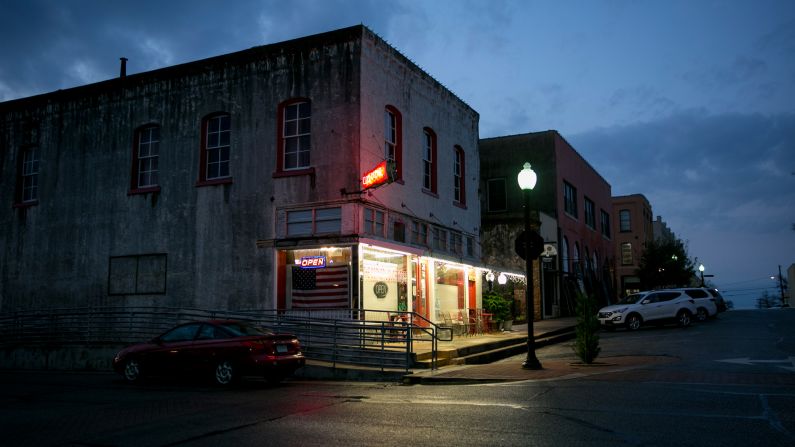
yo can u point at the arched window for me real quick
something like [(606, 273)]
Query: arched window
[(393, 139), (459, 177), (429, 160)]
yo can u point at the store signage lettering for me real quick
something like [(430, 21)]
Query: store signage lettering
[(382, 173), (313, 262)]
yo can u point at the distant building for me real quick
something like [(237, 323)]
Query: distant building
[(235, 182), (632, 229), (571, 204), (662, 232)]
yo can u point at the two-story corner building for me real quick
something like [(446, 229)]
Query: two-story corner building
[(571, 208), (632, 229), (236, 182)]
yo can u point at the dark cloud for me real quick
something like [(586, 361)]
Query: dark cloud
[(701, 171), (51, 44)]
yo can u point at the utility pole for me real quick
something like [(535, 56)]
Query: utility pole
[(781, 287)]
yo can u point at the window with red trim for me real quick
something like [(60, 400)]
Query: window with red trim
[(393, 139), (294, 142), (459, 186), (145, 159), (216, 149), (429, 160)]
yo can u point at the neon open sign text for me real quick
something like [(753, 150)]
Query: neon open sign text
[(312, 262)]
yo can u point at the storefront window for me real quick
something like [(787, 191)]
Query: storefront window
[(318, 278), (384, 280), (449, 288)]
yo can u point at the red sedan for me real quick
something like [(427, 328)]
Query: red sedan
[(225, 350)]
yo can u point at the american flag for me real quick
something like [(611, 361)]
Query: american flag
[(323, 287)]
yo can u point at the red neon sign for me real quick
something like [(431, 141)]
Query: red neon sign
[(376, 176)]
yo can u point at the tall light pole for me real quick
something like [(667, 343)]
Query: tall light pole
[(527, 181), (701, 269)]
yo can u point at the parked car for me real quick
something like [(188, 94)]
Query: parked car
[(706, 304), (224, 350), (657, 306), (718, 299)]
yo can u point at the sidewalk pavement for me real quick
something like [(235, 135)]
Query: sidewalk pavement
[(510, 369), (505, 370)]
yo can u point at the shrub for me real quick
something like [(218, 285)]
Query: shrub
[(497, 305), (587, 345)]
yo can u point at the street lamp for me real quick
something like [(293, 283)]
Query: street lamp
[(527, 181), (490, 279), (701, 269)]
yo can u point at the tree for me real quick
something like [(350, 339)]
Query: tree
[(665, 263), (766, 301)]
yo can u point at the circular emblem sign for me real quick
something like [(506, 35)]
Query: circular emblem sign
[(380, 289)]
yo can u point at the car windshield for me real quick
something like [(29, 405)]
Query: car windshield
[(630, 299), (242, 329)]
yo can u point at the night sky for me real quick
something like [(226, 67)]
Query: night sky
[(690, 103)]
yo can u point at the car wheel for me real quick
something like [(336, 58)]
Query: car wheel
[(132, 371), (633, 322), (702, 314), (683, 318), (225, 373)]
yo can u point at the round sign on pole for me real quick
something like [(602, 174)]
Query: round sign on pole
[(536, 245)]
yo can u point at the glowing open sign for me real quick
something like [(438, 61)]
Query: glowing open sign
[(312, 262), (382, 173)]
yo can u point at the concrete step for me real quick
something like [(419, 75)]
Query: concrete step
[(490, 352)]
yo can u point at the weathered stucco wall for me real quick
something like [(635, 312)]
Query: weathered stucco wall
[(56, 253)]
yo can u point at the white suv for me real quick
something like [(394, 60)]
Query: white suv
[(706, 304), (658, 306)]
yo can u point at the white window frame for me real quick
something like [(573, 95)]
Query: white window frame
[(296, 130), (427, 161), (148, 156), (222, 146), (390, 135), (374, 221), (30, 174)]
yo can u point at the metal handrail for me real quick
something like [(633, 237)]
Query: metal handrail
[(350, 334)]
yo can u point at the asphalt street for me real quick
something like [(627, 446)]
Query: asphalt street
[(730, 381)]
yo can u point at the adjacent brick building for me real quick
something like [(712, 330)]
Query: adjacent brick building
[(572, 208), (632, 229)]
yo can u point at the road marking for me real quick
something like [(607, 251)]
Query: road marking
[(748, 362)]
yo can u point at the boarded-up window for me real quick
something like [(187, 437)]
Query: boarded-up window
[(137, 275)]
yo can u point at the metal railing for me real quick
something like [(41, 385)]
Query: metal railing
[(351, 336)]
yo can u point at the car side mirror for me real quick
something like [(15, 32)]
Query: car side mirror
[(645, 302)]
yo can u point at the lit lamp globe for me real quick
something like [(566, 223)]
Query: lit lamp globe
[(490, 276), (502, 279), (527, 178), (701, 268)]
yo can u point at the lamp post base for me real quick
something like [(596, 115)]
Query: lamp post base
[(531, 362)]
